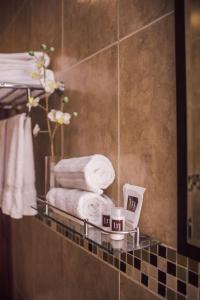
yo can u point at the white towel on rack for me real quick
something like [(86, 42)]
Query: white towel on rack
[(86, 205), (18, 76), (19, 183), (91, 173), (21, 59), (2, 155)]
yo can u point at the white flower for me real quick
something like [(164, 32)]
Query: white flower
[(50, 86), (62, 118), (75, 113), (33, 102), (66, 118), (52, 115), (36, 130), (59, 117)]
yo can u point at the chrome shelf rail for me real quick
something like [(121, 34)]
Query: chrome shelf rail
[(20, 86), (86, 223)]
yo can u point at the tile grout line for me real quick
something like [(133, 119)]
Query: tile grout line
[(118, 41), (91, 56), (118, 110), (62, 53), (118, 132), (146, 26)]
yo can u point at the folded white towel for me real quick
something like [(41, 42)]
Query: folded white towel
[(19, 181), (21, 59), (83, 204), (91, 173), (2, 155), (24, 77)]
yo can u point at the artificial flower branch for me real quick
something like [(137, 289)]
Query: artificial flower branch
[(54, 118)]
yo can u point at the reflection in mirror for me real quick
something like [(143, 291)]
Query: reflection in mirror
[(192, 22)]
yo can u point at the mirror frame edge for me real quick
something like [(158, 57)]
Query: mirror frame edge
[(184, 247)]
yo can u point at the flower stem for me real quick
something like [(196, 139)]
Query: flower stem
[(42, 107), (49, 128)]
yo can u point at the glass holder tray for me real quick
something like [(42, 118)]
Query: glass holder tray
[(133, 239)]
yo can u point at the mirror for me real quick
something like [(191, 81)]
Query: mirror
[(188, 125)]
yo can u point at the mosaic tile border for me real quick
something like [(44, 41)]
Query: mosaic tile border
[(158, 267)]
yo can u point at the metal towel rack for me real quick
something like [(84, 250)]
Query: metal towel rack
[(17, 100)]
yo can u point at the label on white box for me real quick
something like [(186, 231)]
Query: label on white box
[(133, 199)]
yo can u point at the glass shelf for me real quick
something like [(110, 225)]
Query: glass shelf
[(96, 236)]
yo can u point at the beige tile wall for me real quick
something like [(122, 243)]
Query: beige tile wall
[(117, 61)]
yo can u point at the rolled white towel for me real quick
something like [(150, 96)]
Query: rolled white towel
[(85, 205), (91, 173)]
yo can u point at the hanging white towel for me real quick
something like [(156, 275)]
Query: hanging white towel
[(91, 173), (2, 155), (29, 190), (19, 183), (85, 205)]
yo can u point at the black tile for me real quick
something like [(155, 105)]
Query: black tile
[(137, 263), (171, 268), (122, 266), (162, 251), (161, 290), (193, 278), (144, 279), (181, 287), (90, 247), (153, 260), (161, 276)]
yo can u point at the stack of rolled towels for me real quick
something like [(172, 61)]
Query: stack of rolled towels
[(82, 181)]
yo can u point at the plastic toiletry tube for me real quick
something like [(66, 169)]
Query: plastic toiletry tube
[(117, 222), (133, 199)]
